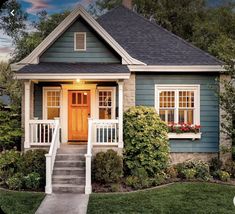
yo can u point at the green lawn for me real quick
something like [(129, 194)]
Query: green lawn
[(20, 202), (177, 198)]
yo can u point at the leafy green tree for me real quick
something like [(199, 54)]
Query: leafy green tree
[(10, 123), (12, 26)]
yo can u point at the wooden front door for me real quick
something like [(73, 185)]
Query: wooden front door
[(79, 111)]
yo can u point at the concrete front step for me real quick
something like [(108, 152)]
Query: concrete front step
[(69, 163), (79, 171), (74, 157), (72, 151), (68, 188), (68, 179)]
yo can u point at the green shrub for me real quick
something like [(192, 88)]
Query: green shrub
[(223, 175), (16, 182), (137, 183), (215, 165), (201, 169), (189, 173), (172, 172), (160, 178), (146, 141), (229, 167), (34, 161), (107, 167), (8, 164), (32, 181)]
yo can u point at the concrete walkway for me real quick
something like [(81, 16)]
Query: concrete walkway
[(64, 204)]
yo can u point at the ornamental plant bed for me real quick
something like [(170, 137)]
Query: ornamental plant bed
[(183, 128)]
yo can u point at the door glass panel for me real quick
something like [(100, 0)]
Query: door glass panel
[(85, 98), (73, 98), (79, 98)]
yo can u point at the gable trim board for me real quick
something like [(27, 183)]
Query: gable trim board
[(33, 57)]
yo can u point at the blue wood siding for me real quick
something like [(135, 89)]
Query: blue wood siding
[(63, 48), (209, 109), (38, 101)]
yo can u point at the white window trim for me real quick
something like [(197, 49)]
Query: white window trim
[(75, 41), (176, 88), (113, 90), (44, 100)]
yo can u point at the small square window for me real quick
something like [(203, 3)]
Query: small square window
[(80, 41)]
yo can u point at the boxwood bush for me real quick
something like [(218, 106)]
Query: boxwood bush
[(107, 167), (145, 140)]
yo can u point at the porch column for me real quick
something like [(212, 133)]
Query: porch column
[(120, 114), (26, 113)]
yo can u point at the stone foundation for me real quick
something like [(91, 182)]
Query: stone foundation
[(182, 157), (129, 92)]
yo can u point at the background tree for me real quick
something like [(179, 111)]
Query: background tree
[(10, 123)]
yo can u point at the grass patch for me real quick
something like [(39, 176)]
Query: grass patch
[(178, 198), (13, 202)]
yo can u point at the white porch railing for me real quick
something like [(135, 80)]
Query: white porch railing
[(100, 132), (50, 157), (104, 132), (41, 132)]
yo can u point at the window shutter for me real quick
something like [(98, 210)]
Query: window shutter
[(80, 39)]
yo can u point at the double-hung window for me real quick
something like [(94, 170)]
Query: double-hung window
[(178, 103), (51, 103), (106, 102)]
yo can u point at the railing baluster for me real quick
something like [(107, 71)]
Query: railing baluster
[(103, 132), (48, 133), (111, 133)]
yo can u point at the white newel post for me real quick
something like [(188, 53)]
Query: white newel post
[(27, 113), (120, 114), (48, 188), (88, 188)]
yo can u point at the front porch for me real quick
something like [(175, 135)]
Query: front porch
[(73, 103)]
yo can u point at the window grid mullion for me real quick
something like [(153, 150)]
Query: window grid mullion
[(177, 106)]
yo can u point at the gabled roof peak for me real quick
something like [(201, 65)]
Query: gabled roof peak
[(33, 57)]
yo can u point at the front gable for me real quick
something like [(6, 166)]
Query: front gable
[(97, 50)]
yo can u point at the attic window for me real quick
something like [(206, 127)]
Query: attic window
[(80, 41)]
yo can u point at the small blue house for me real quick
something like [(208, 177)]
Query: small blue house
[(87, 72)]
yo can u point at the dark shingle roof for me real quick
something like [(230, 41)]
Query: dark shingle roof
[(149, 42), (75, 68)]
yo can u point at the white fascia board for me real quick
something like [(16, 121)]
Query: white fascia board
[(69, 76), (33, 57), (172, 68)]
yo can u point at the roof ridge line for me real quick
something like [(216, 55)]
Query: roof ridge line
[(171, 33)]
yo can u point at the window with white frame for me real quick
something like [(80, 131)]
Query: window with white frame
[(52, 103), (178, 103), (106, 103)]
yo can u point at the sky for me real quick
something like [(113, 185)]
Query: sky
[(51, 6)]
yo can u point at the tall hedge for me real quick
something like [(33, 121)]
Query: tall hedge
[(145, 141)]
